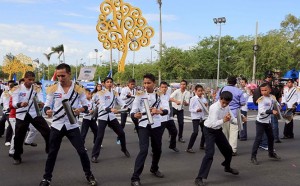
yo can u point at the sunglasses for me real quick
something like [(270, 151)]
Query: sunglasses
[(61, 76)]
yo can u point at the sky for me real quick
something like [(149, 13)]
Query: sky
[(32, 27)]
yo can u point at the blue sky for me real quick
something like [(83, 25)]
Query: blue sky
[(31, 27)]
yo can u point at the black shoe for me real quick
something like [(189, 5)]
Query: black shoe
[(94, 160), (277, 141), (127, 154), (45, 182), (232, 171), (284, 137), (254, 161), (175, 149), (190, 151), (202, 148), (91, 179), (199, 182), (157, 173), (181, 140), (31, 144), (17, 161), (234, 154), (136, 183), (274, 156), (11, 155)]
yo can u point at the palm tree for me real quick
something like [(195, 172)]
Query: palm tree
[(59, 50), (48, 56)]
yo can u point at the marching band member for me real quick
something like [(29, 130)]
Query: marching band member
[(106, 116), (244, 108), (197, 114), (180, 98), (219, 113), (22, 99), (88, 121), (290, 98), (263, 122), (167, 120), (147, 130), (128, 95), (65, 89)]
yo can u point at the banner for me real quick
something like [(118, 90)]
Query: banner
[(89, 85), (87, 73)]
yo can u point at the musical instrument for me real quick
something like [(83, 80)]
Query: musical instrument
[(203, 106), (69, 111), (148, 112), (288, 115), (239, 119), (36, 106), (95, 113), (277, 108)]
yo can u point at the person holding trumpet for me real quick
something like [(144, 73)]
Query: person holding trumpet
[(65, 91), (219, 113)]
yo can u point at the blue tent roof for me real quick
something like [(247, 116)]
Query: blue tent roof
[(291, 74)]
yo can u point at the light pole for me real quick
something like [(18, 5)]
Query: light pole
[(219, 20), (160, 37), (255, 49), (151, 48), (96, 50)]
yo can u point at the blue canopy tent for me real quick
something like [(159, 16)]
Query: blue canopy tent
[(291, 74)]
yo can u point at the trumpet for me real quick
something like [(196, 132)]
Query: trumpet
[(148, 112), (69, 111)]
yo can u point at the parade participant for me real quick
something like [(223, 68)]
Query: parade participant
[(22, 99), (263, 122), (167, 120), (88, 121), (290, 98), (128, 95), (154, 131), (231, 130), (197, 114), (65, 89), (97, 88), (4, 101), (12, 121), (106, 116), (180, 98), (219, 113), (244, 108)]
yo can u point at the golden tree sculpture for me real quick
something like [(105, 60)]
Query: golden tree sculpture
[(14, 64), (122, 26)]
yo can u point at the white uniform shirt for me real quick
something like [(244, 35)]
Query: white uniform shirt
[(128, 100), (216, 115), (5, 100), (195, 105), (154, 101), (178, 95), (166, 97), (246, 95), (108, 99), (91, 106), (264, 104), (23, 94), (291, 96), (54, 100)]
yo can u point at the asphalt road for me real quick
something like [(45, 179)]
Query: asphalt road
[(114, 169)]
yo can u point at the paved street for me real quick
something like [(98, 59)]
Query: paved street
[(114, 169)]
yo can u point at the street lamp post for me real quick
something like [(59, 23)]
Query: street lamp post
[(151, 48), (219, 20), (160, 37), (96, 50)]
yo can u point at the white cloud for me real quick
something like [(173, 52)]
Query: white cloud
[(78, 27)]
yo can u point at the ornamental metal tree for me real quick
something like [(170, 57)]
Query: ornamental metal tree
[(121, 26)]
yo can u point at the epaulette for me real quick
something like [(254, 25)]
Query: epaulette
[(116, 93), (37, 88), (139, 93), (298, 89), (79, 88), (52, 88), (273, 97), (14, 88), (159, 93), (259, 99), (6, 94)]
